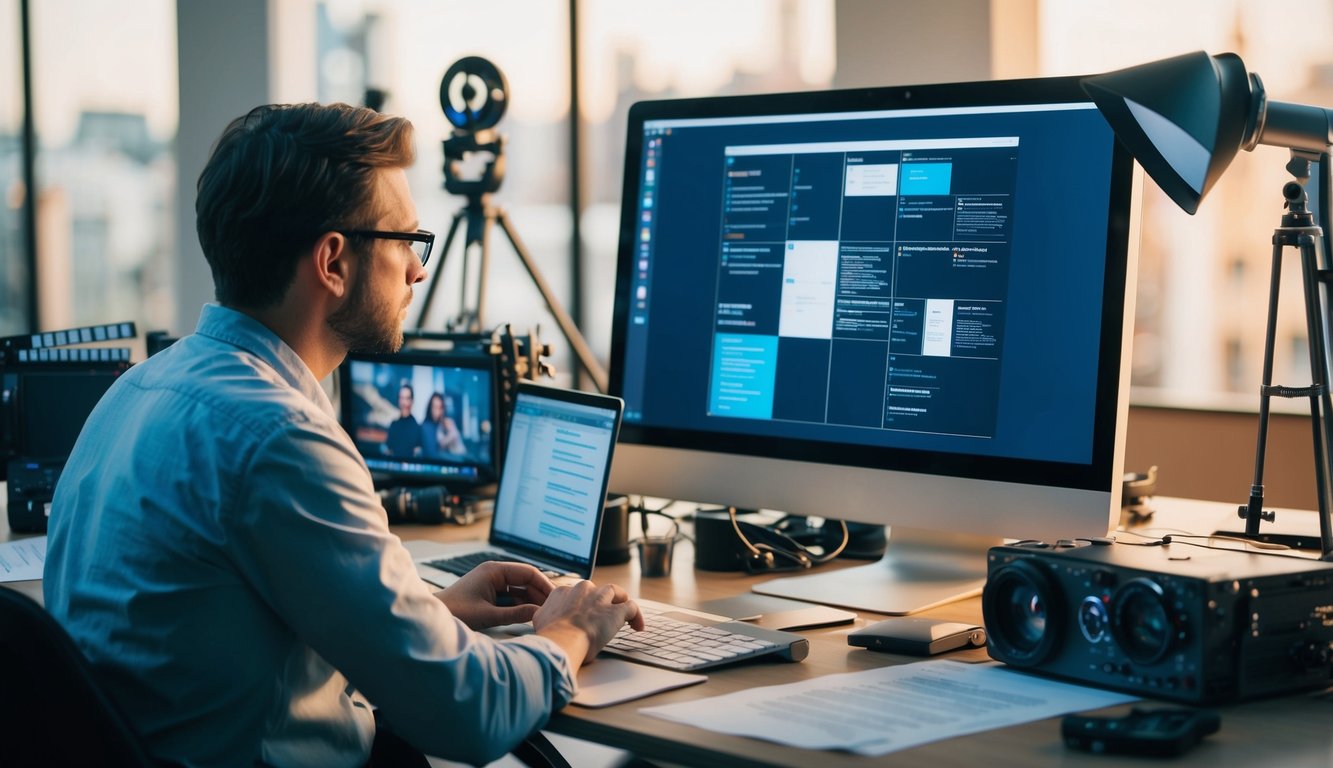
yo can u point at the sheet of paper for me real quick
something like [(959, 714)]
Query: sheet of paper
[(887, 709), (22, 560), (611, 681)]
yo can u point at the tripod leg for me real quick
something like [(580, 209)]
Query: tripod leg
[(439, 270), (567, 327), (1320, 400), (487, 220), (1253, 511)]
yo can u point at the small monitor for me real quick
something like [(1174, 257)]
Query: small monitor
[(908, 306), (43, 407), (423, 417)]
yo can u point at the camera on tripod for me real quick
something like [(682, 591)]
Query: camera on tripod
[(474, 96)]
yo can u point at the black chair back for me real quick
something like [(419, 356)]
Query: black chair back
[(52, 711)]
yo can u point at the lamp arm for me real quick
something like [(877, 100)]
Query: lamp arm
[(1297, 126)]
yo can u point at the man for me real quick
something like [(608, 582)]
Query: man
[(216, 546), (404, 432)]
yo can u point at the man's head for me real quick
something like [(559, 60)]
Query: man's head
[(283, 176), (405, 400)]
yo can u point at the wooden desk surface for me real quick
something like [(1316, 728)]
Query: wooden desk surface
[(1291, 731), (1288, 731)]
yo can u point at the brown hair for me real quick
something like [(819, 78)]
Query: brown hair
[(280, 177)]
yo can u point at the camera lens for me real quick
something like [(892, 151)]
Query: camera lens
[(1092, 618), (1023, 613), (1027, 614), (1143, 628)]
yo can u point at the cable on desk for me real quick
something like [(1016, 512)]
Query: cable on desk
[(644, 512), (1178, 537)]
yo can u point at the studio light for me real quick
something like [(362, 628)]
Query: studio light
[(1184, 119)]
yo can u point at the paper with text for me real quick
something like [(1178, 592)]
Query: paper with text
[(22, 560), (884, 710)]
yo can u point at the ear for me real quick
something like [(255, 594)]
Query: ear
[(333, 263)]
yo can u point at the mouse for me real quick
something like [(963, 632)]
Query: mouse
[(917, 636)]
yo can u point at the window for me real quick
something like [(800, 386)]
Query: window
[(405, 48), (1203, 280), (105, 120), (628, 50), (14, 300)]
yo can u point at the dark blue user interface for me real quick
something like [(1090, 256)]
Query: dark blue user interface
[(924, 279)]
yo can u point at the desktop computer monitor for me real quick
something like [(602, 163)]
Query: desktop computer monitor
[(906, 306), (421, 417)]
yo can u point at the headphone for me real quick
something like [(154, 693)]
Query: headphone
[(769, 549)]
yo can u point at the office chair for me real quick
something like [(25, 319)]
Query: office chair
[(52, 711)]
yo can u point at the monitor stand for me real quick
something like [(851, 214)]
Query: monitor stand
[(920, 569)]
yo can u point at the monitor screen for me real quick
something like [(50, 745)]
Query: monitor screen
[(552, 499), (43, 408), (422, 417), (901, 305)]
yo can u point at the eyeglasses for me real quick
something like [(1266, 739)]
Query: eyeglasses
[(421, 240)]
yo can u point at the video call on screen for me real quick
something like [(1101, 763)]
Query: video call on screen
[(425, 420)]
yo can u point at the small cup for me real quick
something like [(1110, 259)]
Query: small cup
[(655, 555), (613, 547)]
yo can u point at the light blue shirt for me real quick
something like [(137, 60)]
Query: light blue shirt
[(218, 551)]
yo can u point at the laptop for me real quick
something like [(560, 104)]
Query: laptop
[(550, 498)]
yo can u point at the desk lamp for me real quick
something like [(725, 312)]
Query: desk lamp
[(1183, 119)]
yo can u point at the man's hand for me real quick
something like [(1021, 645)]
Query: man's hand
[(583, 617), (494, 594)]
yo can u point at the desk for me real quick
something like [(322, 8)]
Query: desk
[(1291, 732)]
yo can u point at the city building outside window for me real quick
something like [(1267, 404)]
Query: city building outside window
[(105, 109), (14, 299)]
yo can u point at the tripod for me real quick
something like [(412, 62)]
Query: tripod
[(1298, 230), (480, 213)]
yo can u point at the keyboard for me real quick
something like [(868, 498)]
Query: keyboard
[(461, 564), (684, 640)]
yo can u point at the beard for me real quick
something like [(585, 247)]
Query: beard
[(366, 324)]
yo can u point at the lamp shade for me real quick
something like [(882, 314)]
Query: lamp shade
[(1183, 118)]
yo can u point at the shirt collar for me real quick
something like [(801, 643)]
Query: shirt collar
[(239, 329)]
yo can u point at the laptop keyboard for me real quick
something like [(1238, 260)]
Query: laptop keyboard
[(461, 564), (677, 640)]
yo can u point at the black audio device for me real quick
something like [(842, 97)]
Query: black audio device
[(1167, 620)]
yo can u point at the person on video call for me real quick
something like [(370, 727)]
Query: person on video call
[(439, 433), (217, 549), (404, 432)]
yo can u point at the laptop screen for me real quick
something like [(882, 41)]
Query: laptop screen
[(421, 417), (557, 462)]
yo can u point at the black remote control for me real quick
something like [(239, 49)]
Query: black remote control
[(1163, 732)]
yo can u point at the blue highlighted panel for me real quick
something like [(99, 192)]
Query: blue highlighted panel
[(925, 178), (744, 369)]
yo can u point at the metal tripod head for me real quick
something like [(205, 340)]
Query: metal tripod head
[(477, 212), (458, 148), (1297, 203)]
